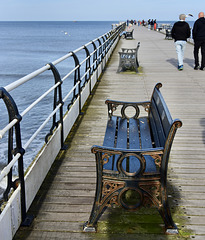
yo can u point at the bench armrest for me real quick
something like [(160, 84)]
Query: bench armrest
[(104, 154), (117, 151), (113, 104)]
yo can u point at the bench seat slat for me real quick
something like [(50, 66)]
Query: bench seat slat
[(109, 139), (146, 142), (143, 141), (122, 133), (134, 143), (121, 139)]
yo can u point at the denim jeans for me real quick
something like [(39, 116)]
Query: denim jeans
[(180, 47)]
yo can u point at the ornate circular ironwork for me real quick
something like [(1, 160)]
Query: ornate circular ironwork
[(131, 164), (130, 198), (105, 158), (123, 109)]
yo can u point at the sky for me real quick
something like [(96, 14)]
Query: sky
[(95, 10)]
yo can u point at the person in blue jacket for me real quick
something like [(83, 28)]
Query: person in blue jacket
[(180, 32)]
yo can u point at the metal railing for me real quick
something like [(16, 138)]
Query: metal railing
[(95, 53)]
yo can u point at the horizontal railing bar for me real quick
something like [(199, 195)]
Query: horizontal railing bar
[(41, 127), (6, 169), (67, 75), (81, 63), (75, 51), (39, 99), (8, 126), (66, 97), (26, 78), (61, 59), (96, 39), (85, 74), (14, 121), (78, 49)]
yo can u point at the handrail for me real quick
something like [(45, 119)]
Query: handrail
[(82, 72), (28, 77)]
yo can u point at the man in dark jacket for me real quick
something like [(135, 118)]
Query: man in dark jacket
[(199, 41), (180, 33)]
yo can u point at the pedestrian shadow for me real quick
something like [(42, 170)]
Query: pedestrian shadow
[(189, 61), (174, 62), (202, 122)]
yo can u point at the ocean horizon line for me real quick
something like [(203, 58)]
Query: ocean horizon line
[(83, 20)]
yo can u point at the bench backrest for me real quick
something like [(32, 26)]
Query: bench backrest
[(127, 55), (131, 49), (159, 117)]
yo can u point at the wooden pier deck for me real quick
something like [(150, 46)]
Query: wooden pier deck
[(66, 197)]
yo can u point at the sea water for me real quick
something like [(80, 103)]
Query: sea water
[(26, 47)]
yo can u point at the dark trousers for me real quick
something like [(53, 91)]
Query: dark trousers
[(197, 45)]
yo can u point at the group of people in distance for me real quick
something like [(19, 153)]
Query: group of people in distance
[(152, 24), (180, 33)]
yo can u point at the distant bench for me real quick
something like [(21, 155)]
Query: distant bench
[(128, 34), (128, 59), (168, 34), (133, 161)]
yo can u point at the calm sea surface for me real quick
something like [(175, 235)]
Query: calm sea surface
[(28, 46)]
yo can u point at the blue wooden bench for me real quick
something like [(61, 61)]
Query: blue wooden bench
[(132, 164)]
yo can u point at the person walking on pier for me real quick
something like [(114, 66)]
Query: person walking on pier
[(199, 40), (180, 32)]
